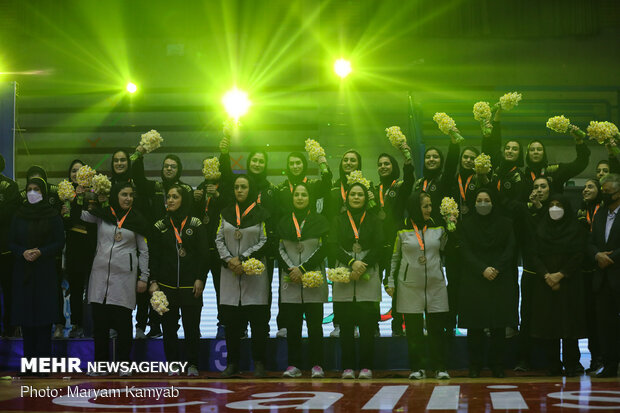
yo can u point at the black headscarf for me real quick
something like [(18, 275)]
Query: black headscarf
[(486, 231), (260, 180), (186, 205), (315, 227), (292, 178), (73, 162), (431, 174), (564, 236), (36, 170), (40, 210), (134, 222), (177, 177), (387, 180), (125, 176), (343, 175), (414, 210), (536, 166), (505, 165), (466, 172), (256, 215)]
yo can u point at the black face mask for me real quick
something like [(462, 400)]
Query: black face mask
[(608, 198)]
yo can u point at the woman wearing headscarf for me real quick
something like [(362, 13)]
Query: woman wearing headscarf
[(488, 293), (557, 174), (464, 187), (79, 254), (356, 242), (241, 236), (114, 281), (36, 237), (392, 195), (178, 268), (557, 290), (417, 279), (210, 197), (52, 199), (590, 206), (303, 248), (351, 161)]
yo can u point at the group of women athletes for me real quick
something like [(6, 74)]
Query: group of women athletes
[(387, 235)]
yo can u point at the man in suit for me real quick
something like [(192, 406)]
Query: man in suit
[(605, 248)]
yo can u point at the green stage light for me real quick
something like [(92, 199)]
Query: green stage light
[(342, 68), (131, 87), (236, 103)]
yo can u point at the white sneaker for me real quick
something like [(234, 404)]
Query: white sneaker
[(140, 334), (113, 333), (442, 375), (124, 374), (59, 331), (356, 332), (281, 333), (348, 374), (336, 332), (418, 375), (317, 372), (292, 372), (365, 374), (192, 371)]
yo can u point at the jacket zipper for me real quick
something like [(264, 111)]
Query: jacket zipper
[(238, 276), (130, 262), (107, 285), (406, 269)]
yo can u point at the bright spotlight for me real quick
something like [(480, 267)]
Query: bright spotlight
[(342, 68), (236, 103), (131, 87)]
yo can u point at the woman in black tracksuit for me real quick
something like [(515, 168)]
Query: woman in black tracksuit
[(178, 267)]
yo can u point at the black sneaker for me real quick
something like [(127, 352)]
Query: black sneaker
[(230, 370), (259, 370)]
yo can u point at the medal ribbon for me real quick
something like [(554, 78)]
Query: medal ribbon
[(290, 185), (593, 215), (257, 200), (533, 175), (247, 211), (424, 186), (120, 223), (417, 234), (355, 230), (381, 192), (176, 232), (297, 227), (343, 193), (499, 181), (464, 191)]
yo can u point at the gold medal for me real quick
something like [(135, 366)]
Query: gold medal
[(238, 234), (182, 252), (118, 236), (300, 247), (206, 220), (343, 208), (422, 260), (464, 209), (381, 214), (357, 247)]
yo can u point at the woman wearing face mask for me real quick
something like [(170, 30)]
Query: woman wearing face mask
[(113, 283), (36, 171), (79, 254), (52, 199), (241, 236), (488, 291), (421, 287), (36, 237), (356, 242), (557, 174), (592, 203), (392, 195), (303, 237), (557, 291), (178, 268)]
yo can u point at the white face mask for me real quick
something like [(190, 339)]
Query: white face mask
[(484, 208), (34, 197), (556, 213)]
